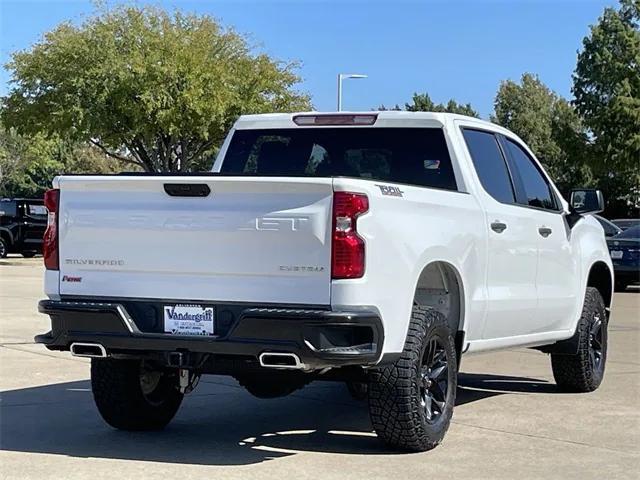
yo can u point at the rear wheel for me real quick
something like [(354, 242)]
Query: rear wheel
[(4, 249), (411, 402), (584, 370), (28, 254), (132, 395)]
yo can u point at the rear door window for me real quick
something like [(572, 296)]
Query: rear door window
[(415, 156), (490, 164)]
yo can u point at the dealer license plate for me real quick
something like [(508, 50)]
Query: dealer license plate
[(184, 319), (616, 254)]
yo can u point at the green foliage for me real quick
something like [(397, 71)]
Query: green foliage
[(384, 108), (549, 125), (28, 164), (421, 102), (606, 85), (25, 164), (150, 88)]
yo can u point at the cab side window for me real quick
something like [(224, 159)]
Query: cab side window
[(537, 191), (489, 164)]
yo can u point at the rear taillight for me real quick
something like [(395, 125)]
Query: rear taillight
[(347, 253), (50, 240)]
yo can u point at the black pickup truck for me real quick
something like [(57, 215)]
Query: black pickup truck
[(22, 225)]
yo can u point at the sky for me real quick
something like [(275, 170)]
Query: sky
[(450, 49)]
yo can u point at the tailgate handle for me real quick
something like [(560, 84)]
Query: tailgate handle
[(187, 189)]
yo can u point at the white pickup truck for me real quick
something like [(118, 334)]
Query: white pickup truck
[(373, 248)]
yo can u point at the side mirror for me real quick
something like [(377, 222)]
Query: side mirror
[(587, 200)]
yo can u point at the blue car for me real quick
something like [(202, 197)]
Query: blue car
[(624, 249), (610, 228), (626, 223)]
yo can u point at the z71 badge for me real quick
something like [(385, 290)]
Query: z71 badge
[(390, 190)]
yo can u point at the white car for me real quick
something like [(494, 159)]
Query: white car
[(374, 248)]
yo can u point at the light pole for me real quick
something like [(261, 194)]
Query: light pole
[(342, 76)]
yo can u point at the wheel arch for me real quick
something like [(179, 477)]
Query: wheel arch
[(6, 235), (601, 278), (440, 287)]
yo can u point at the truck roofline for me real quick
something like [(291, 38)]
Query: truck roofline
[(386, 118)]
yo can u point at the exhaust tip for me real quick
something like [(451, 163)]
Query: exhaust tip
[(280, 360), (90, 350)]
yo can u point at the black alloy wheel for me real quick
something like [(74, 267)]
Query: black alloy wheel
[(596, 344), (434, 376)]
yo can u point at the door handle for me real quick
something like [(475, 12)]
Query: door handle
[(187, 189), (498, 227), (545, 231)]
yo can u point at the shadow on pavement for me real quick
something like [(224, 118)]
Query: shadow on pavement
[(219, 424), (474, 386)]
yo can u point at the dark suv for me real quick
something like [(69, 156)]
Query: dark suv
[(22, 225)]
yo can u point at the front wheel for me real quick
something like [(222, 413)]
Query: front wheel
[(584, 370), (132, 395), (4, 249), (411, 402)]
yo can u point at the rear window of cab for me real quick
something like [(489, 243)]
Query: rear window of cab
[(413, 156)]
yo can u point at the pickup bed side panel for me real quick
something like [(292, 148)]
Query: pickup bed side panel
[(403, 235), (258, 240)]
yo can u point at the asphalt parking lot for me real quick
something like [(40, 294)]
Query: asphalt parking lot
[(510, 422)]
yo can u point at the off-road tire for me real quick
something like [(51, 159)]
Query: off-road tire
[(397, 414), (4, 248), (577, 372), (118, 394)]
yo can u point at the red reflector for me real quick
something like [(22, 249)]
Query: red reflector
[(50, 240), (335, 119), (348, 249)]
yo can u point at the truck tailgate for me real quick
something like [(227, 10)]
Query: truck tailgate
[(259, 240)]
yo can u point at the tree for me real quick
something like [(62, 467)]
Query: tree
[(151, 89), (549, 125), (27, 164), (606, 86), (384, 108), (421, 102), (23, 164)]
